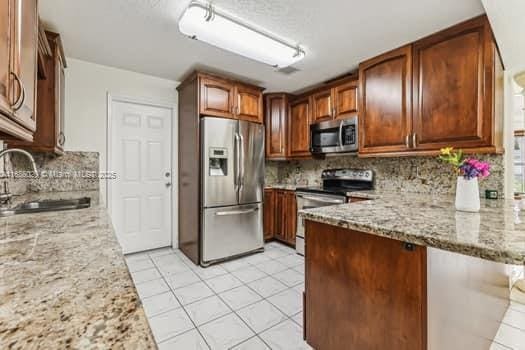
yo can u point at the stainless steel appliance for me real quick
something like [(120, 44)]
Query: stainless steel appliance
[(337, 183), (334, 136), (232, 182)]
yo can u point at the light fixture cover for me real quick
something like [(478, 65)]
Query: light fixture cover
[(206, 23)]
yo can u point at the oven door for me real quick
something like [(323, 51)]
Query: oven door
[(306, 200), (334, 136)]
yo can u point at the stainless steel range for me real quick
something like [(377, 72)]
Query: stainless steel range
[(337, 183)]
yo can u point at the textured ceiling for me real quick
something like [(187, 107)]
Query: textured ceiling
[(142, 35)]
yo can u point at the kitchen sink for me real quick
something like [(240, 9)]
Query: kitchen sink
[(47, 206)]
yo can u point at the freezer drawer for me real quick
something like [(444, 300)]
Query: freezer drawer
[(230, 231)]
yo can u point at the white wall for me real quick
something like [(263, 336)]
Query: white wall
[(87, 88)]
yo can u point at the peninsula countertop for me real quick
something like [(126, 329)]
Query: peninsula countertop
[(496, 233), (64, 284)]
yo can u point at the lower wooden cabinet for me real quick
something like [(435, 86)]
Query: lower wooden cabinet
[(280, 215)]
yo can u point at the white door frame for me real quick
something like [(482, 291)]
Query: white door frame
[(173, 153)]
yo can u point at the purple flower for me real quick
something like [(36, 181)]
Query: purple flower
[(472, 168)]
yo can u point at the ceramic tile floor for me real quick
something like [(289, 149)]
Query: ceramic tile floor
[(250, 303)]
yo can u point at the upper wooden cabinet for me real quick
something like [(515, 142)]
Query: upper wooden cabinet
[(18, 68), (337, 102), (322, 106), (225, 98), (50, 133), (453, 87), (25, 61), (276, 118), (216, 97), (249, 103), (299, 128), (385, 114), (345, 99), (443, 90)]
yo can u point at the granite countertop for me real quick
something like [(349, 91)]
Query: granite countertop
[(496, 233), (65, 283), (281, 186)]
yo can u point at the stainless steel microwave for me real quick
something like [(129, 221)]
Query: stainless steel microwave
[(334, 136)]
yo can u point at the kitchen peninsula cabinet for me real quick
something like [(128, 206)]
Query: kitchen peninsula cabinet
[(225, 98), (18, 68), (443, 90), (280, 215)]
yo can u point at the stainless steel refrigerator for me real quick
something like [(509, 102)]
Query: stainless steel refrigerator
[(232, 181)]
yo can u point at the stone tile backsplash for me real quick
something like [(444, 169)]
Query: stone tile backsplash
[(401, 174), (73, 171)]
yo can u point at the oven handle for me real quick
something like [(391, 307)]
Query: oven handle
[(322, 200)]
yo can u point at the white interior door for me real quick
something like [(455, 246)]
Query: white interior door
[(140, 154)]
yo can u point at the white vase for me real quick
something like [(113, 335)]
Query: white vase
[(467, 195)]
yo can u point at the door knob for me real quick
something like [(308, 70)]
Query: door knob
[(168, 184), (167, 174)]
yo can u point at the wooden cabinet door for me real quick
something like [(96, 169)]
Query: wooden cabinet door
[(25, 61), (269, 214), (346, 308), (322, 106), (249, 104), (6, 18), (299, 128), (280, 219), (453, 71), (345, 100), (290, 211), (216, 97), (385, 111), (276, 106)]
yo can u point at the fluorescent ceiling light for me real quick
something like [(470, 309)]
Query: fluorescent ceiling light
[(206, 23)]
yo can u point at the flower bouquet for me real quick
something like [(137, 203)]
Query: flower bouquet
[(469, 170)]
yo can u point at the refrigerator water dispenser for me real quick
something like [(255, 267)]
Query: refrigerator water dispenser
[(218, 160)]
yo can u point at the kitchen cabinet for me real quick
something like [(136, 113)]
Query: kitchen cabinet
[(216, 97), (280, 215), (299, 128), (338, 102), (346, 308), (454, 87), (443, 90), (249, 103), (50, 133), (276, 118), (226, 98), (322, 106), (385, 119), (345, 99), (269, 214), (18, 68)]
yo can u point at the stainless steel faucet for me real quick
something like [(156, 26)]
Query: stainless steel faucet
[(5, 197)]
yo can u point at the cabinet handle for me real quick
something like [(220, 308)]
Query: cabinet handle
[(414, 140), (238, 104), (407, 141), (21, 98)]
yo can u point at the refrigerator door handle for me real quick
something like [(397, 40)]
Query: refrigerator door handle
[(237, 162), (236, 212), (241, 175)]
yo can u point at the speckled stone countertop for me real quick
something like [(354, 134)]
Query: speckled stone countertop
[(281, 186), (65, 285), (496, 233)]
